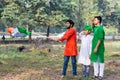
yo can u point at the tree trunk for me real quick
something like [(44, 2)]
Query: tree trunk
[(48, 31), (80, 19), (30, 29), (119, 28)]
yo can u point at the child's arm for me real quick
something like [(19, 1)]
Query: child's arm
[(80, 35), (53, 39), (100, 38), (96, 48), (90, 45)]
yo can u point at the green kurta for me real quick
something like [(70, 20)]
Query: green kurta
[(99, 34)]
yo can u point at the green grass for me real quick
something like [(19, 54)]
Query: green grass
[(42, 65)]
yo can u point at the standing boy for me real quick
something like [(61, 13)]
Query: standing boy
[(70, 48), (97, 55), (85, 51)]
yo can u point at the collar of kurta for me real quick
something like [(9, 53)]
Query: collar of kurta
[(70, 27), (98, 26)]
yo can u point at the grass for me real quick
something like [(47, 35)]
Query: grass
[(43, 65), (112, 48)]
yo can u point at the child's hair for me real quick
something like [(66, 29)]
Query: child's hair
[(99, 18), (71, 22)]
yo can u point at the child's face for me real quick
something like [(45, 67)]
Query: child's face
[(67, 24), (86, 32), (96, 21)]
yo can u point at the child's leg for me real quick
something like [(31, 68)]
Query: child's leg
[(65, 65), (101, 72), (83, 70), (96, 68), (74, 65), (88, 71)]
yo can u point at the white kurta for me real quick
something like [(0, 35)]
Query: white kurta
[(85, 50)]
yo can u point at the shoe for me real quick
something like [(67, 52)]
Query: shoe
[(83, 76), (100, 78), (94, 77), (75, 76), (62, 76)]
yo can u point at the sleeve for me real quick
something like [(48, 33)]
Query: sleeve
[(80, 35), (67, 35), (90, 50), (101, 34)]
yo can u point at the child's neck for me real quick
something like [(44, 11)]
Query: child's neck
[(97, 24), (86, 34)]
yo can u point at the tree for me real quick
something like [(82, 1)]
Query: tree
[(85, 12), (116, 16), (103, 7), (29, 13)]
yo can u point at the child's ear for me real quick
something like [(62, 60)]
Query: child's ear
[(89, 31), (71, 25)]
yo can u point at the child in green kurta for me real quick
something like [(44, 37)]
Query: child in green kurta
[(97, 55)]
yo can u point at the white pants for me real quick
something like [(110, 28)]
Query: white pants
[(98, 68)]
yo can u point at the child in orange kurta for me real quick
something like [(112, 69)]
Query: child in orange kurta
[(70, 48)]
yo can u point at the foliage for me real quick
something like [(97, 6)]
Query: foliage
[(32, 13)]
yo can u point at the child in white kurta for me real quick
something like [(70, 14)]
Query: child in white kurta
[(85, 51)]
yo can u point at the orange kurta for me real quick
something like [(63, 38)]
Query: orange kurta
[(71, 44)]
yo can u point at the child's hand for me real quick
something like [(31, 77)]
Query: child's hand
[(82, 32), (89, 56), (56, 40), (95, 50), (49, 38)]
